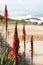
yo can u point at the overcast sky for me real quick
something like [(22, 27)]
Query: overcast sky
[(22, 6)]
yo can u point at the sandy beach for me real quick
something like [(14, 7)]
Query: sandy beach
[(36, 31)]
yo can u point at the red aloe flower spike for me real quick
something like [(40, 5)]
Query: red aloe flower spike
[(5, 17), (32, 49), (6, 12), (24, 40), (16, 44)]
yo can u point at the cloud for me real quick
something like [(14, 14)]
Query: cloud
[(22, 5)]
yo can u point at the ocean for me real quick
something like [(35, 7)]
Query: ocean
[(28, 17)]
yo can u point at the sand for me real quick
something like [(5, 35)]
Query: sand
[(36, 31)]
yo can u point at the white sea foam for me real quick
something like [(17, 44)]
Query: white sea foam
[(20, 17), (27, 17)]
